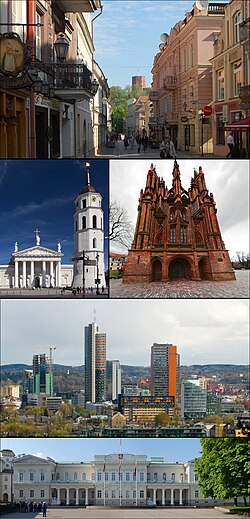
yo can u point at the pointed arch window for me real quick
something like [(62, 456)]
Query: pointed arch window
[(94, 243), (172, 214), (84, 222), (183, 214), (172, 234), (183, 234), (94, 221)]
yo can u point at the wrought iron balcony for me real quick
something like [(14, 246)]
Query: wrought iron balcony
[(64, 80), (72, 76), (170, 83), (78, 6)]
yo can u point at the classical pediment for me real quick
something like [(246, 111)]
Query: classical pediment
[(29, 459), (37, 252)]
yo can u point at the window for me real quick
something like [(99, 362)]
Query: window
[(141, 476), (196, 493), (32, 493), (66, 476), (183, 234), (106, 494), (172, 213), (221, 84), (148, 476), (84, 222), (141, 494), (134, 494), (237, 81), (42, 493), (94, 243), (83, 476), (113, 494), (120, 476), (5, 478), (99, 494), (20, 476), (127, 476), (164, 477), (127, 494), (172, 234), (99, 476), (38, 37), (155, 476), (20, 493), (181, 478), (94, 221), (220, 133), (237, 22), (173, 476), (191, 55), (93, 476), (184, 60), (42, 476), (183, 215), (84, 203), (31, 476), (106, 476), (113, 476), (75, 476), (76, 227), (196, 477)]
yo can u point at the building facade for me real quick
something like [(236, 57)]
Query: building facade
[(126, 480), (193, 399), (114, 379), (177, 233), (164, 371), (6, 475), (94, 364), (182, 80), (143, 409)]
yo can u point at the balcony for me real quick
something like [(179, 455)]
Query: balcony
[(244, 31), (78, 6), (72, 81), (170, 83), (216, 7)]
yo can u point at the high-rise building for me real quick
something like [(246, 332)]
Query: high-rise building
[(193, 399), (95, 364), (139, 81), (42, 375), (164, 370), (113, 379), (89, 268)]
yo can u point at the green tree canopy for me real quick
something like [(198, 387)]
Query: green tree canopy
[(224, 468)]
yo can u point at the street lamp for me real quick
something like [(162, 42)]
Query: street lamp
[(94, 86), (97, 274), (61, 47)]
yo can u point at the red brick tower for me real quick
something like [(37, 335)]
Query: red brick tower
[(177, 233)]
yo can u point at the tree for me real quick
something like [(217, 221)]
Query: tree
[(162, 419), (224, 468), (121, 230)]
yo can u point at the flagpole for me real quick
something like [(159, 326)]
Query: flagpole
[(136, 486), (120, 485), (104, 473)]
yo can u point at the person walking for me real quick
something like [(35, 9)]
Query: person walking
[(139, 142), (44, 509), (230, 144), (167, 149)]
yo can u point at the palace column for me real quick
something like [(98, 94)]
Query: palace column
[(52, 282), (86, 496), (172, 497), (163, 497), (59, 273), (16, 275), (67, 496), (58, 496), (44, 275), (180, 502), (77, 496), (154, 496), (32, 273), (24, 274)]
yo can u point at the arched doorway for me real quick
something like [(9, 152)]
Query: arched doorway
[(179, 269), (205, 269), (5, 498), (156, 270)]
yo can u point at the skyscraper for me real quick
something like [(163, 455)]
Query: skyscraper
[(164, 371), (95, 364), (113, 379), (42, 375), (193, 399)]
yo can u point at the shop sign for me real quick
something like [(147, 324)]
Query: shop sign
[(184, 119), (15, 58), (153, 95)]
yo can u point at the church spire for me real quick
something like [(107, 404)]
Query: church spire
[(177, 179)]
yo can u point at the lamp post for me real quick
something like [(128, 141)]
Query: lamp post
[(61, 47), (94, 86)]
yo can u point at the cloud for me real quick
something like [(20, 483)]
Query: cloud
[(32, 207)]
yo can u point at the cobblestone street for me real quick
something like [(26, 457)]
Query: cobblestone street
[(184, 289), (151, 153)]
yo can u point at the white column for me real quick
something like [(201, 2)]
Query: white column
[(87, 497), (16, 275), (172, 496), (52, 283), (180, 503), (59, 273), (24, 274), (44, 274), (77, 496), (154, 496), (32, 273), (58, 496), (67, 496), (163, 497)]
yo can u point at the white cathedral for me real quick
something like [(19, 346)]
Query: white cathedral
[(41, 267)]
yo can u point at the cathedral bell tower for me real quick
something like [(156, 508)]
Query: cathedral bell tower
[(88, 238)]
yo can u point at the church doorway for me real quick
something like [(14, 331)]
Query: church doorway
[(205, 269), (178, 269), (156, 270), (37, 282)]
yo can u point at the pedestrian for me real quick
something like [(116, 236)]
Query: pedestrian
[(126, 143), (230, 144), (144, 144), (167, 149), (139, 142), (39, 507), (132, 142), (44, 508), (35, 507)]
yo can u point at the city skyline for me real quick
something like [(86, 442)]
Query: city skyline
[(173, 322), (227, 184)]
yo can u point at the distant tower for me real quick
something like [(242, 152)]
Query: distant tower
[(42, 376), (164, 371), (95, 364), (139, 81), (113, 379), (88, 237)]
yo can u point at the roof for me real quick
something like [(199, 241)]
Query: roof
[(142, 99)]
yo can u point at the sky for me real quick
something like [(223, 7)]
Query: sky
[(227, 180), (205, 331), (40, 194), (127, 35), (68, 449)]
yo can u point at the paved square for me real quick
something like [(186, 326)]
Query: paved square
[(184, 289), (106, 513)]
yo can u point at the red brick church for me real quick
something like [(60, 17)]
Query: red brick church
[(177, 233)]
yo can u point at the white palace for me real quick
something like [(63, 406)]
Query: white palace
[(126, 480)]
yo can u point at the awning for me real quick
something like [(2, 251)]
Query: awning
[(239, 126)]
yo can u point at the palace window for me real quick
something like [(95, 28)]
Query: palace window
[(141, 494), (196, 493), (134, 494), (127, 476), (94, 221), (32, 493), (148, 476), (120, 476), (237, 77), (66, 476), (99, 494), (42, 476), (237, 22), (221, 84), (42, 493), (75, 476), (113, 494), (181, 478), (58, 476), (32, 476), (83, 476), (196, 477), (164, 477), (172, 234), (84, 222), (183, 234), (94, 243), (155, 476), (76, 227), (220, 132), (113, 476), (141, 476), (127, 494), (106, 494), (20, 476), (20, 493), (173, 476), (191, 55), (106, 476), (99, 476)]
